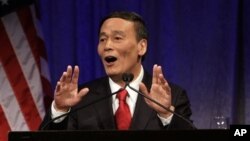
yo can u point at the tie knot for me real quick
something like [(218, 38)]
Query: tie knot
[(122, 95)]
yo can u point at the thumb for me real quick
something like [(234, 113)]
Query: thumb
[(145, 91), (143, 88), (83, 92)]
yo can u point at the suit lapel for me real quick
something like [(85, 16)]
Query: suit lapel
[(143, 112), (142, 115), (104, 107)]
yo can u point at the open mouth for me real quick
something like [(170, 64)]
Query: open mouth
[(110, 59)]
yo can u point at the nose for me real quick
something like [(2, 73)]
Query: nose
[(108, 45)]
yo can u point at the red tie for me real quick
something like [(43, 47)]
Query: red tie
[(122, 115)]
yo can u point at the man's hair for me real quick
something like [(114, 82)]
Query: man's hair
[(140, 27)]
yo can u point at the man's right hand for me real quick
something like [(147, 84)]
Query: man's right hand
[(66, 92)]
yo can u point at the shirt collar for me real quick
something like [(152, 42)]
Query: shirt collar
[(135, 84)]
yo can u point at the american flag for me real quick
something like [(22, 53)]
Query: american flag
[(25, 88)]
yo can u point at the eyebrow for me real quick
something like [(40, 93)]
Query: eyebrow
[(118, 32), (115, 32), (102, 34)]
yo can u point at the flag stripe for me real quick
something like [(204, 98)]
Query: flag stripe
[(26, 58), (35, 44), (17, 80), (4, 127), (10, 105), (26, 21)]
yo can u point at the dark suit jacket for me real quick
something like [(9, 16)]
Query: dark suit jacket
[(99, 116)]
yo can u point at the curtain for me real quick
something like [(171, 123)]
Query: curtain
[(203, 46)]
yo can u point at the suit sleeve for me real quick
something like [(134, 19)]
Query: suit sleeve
[(47, 124), (182, 106)]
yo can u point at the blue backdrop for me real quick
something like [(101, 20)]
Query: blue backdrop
[(203, 45)]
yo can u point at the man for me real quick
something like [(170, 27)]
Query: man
[(122, 46)]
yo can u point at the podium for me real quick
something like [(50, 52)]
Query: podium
[(141, 135)]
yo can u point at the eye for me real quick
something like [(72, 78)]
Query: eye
[(118, 38), (102, 39)]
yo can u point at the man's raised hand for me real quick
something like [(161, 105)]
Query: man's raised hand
[(160, 91), (66, 91)]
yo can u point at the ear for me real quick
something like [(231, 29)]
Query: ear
[(142, 47)]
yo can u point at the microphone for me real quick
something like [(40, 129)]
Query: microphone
[(79, 108), (128, 77)]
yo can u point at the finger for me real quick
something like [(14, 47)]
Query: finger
[(58, 87), (159, 69), (155, 77), (75, 75), (158, 72), (63, 79), (164, 90), (154, 88), (83, 92), (68, 74), (168, 89), (158, 91), (143, 88), (162, 80), (153, 91)]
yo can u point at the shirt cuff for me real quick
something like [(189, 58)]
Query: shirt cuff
[(165, 121), (55, 113)]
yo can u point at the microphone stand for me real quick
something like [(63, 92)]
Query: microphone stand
[(159, 104), (76, 109), (128, 77)]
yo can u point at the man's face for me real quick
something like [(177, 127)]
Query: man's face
[(118, 48)]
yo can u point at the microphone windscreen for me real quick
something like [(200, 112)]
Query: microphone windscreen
[(127, 77)]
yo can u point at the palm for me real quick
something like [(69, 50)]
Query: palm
[(67, 95), (66, 92), (161, 96)]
